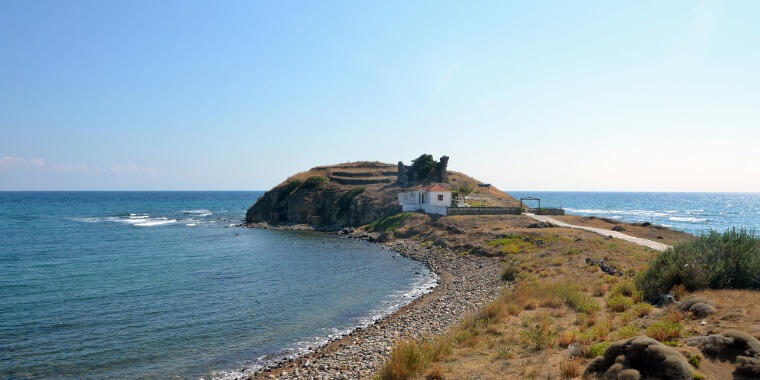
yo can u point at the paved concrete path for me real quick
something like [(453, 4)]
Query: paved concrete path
[(601, 231)]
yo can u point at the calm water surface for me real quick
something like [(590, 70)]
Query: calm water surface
[(161, 284)]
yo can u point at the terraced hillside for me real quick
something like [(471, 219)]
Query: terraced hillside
[(347, 194)]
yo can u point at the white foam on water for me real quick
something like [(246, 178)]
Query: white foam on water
[(155, 222), (687, 219), (199, 212), (190, 224)]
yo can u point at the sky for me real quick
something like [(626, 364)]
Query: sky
[(238, 95)]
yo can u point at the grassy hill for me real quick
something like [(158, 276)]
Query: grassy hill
[(350, 194)]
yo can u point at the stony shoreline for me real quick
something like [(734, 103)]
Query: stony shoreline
[(466, 282)]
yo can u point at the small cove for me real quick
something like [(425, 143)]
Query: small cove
[(142, 284)]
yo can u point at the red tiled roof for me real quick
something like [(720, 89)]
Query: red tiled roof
[(436, 188)]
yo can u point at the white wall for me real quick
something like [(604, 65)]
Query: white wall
[(434, 209), (434, 198), (409, 198)]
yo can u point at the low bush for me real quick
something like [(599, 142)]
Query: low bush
[(664, 331), (713, 260), (510, 271), (566, 338), (619, 304), (597, 349), (642, 309), (695, 360), (409, 358), (570, 368), (389, 223), (539, 333), (626, 332), (513, 244), (600, 330), (314, 182)]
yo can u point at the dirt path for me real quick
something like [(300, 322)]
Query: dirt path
[(601, 231)]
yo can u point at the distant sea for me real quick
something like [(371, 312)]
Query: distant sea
[(689, 212), (162, 284)]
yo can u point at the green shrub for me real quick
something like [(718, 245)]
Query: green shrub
[(715, 260), (388, 224), (597, 349), (619, 303), (575, 299), (642, 309), (314, 182), (424, 166), (626, 332), (695, 360)]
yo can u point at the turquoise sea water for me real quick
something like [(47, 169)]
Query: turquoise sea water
[(690, 212), (162, 284)]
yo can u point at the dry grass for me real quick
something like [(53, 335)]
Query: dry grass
[(570, 368), (664, 331), (566, 338), (436, 372)]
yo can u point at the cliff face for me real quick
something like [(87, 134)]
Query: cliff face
[(325, 205), (348, 194)]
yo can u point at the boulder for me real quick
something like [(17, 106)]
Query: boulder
[(730, 345), (618, 228), (637, 358), (687, 304), (748, 366), (701, 310)]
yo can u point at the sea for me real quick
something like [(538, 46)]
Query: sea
[(166, 285), (101, 285), (695, 213)]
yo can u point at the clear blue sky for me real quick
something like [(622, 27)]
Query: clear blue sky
[(534, 95)]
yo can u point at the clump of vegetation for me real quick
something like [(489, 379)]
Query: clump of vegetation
[(513, 243), (642, 309), (424, 166), (566, 338), (570, 368), (619, 303), (714, 260), (510, 271), (664, 331), (600, 330), (597, 349), (539, 332), (410, 358), (626, 332), (695, 360), (576, 299), (462, 190), (389, 223), (314, 182)]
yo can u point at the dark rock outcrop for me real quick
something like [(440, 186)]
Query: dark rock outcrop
[(440, 169), (735, 346), (403, 174), (639, 358), (332, 205), (698, 307)]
